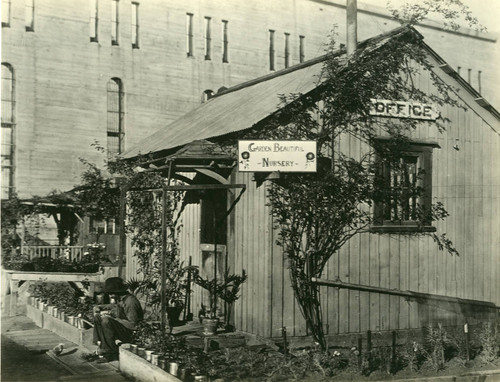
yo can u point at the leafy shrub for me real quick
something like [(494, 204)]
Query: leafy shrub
[(489, 339)]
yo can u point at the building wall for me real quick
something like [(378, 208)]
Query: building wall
[(466, 181), (61, 76)]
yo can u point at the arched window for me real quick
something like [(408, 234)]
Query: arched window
[(8, 121), (115, 128), (207, 94)]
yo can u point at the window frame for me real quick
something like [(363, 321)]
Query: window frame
[(189, 34), (115, 22), (6, 5), (29, 15), (94, 21), (287, 49), (423, 151), (120, 113), (207, 36), (302, 48), (225, 41), (272, 52), (8, 124), (135, 25)]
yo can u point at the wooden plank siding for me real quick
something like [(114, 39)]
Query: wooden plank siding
[(466, 180)]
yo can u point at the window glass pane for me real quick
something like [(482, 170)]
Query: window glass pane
[(135, 24), (189, 34), (6, 12), (208, 38), (225, 42), (30, 10), (110, 226), (7, 94), (93, 19), (5, 182), (114, 20)]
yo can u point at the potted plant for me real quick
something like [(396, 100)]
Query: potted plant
[(226, 289)]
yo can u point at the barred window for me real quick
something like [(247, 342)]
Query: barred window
[(7, 135), (403, 186), (115, 129)]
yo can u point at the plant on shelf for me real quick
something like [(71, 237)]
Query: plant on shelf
[(176, 288), (226, 289)]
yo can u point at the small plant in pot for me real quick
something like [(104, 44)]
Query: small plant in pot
[(227, 290)]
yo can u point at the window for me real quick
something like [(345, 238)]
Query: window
[(213, 219), (301, 48), (189, 34), (208, 39), (479, 82), (403, 193), (114, 22), (93, 20), (7, 149), (135, 25), (115, 129), (104, 226), (287, 50), (30, 15), (225, 42), (6, 13), (271, 50)]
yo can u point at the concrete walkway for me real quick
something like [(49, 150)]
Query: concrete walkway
[(26, 356)]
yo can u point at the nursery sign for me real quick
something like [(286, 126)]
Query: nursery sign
[(283, 156), (403, 109)]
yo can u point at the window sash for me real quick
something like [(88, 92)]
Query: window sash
[(115, 130)]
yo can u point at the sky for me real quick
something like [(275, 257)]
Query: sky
[(486, 11)]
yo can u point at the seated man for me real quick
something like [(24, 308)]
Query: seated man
[(116, 321)]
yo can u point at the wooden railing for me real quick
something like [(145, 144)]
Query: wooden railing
[(72, 253)]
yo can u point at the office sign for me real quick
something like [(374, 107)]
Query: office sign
[(283, 156), (403, 109)]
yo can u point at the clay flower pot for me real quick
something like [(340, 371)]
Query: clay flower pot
[(210, 326)]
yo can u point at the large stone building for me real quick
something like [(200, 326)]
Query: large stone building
[(113, 71)]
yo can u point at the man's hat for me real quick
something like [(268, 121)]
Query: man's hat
[(115, 285)]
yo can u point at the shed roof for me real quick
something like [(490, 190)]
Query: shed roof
[(242, 106)]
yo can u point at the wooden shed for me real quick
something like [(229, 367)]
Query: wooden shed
[(465, 177)]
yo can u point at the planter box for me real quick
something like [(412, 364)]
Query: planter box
[(139, 369), (81, 337)]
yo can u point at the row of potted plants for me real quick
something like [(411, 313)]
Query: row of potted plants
[(60, 300), (170, 353)]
